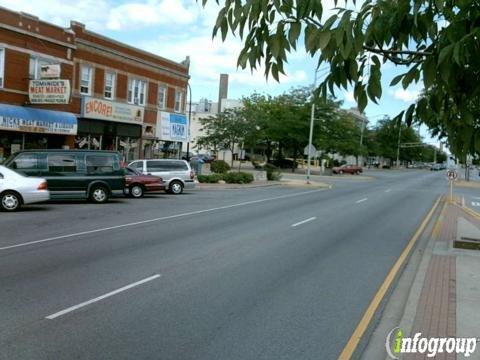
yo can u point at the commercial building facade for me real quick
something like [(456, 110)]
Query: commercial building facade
[(72, 88)]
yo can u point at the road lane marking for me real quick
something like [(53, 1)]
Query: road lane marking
[(362, 326), (388, 190), (304, 221), (190, 213), (83, 304), (361, 200)]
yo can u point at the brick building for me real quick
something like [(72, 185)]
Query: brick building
[(73, 88)]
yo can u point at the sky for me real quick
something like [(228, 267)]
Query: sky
[(175, 29)]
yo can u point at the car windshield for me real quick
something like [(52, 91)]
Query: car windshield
[(130, 171)]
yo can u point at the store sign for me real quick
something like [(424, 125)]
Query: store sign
[(172, 127), (37, 125), (93, 108), (49, 91)]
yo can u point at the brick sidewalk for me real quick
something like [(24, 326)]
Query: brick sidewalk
[(436, 309)]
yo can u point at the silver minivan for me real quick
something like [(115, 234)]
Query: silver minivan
[(177, 174)]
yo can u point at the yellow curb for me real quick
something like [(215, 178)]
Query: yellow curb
[(436, 228), (377, 299)]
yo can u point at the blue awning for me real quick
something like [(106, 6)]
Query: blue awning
[(27, 119)]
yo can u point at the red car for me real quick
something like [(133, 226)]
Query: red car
[(347, 169), (136, 184)]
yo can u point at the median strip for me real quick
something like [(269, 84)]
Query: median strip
[(83, 304), (304, 221)]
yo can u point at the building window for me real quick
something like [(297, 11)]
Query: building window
[(178, 100), (136, 91), (162, 96), (86, 73), (2, 65), (109, 90), (36, 64)]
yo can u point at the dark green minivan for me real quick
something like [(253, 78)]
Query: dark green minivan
[(88, 174)]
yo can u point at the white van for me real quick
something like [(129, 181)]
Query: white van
[(177, 174)]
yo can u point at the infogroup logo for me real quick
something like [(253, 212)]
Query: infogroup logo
[(397, 344)]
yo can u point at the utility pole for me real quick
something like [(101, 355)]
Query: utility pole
[(398, 144), (310, 136)]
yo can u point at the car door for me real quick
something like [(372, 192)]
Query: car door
[(64, 174)]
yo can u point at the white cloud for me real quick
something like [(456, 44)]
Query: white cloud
[(406, 95), (151, 13)]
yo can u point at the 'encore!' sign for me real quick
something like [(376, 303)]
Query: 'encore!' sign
[(93, 108), (49, 91)]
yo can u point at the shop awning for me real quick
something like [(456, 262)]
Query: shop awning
[(27, 119)]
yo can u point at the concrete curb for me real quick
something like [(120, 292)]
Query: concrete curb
[(292, 183)]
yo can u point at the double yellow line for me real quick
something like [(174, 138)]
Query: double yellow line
[(377, 299)]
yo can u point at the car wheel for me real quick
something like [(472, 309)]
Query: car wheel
[(176, 187), (357, 172), (340, 172), (10, 201), (98, 194), (136, 191)]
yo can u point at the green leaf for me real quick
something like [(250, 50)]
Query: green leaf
[(396, 79), (445, 53), (294, 32), (324, 39), (429, 72)]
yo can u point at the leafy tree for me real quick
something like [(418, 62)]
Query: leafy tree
[(224, 130), (435, 41)]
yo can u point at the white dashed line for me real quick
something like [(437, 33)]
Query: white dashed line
[(361, 200), (73, 308), (304, 221)]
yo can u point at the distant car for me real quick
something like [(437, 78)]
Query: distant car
[(16, 189), (347, 169), (436, 167), (204, 157), (137, 184), (177, 174)]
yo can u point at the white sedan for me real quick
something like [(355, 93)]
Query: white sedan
[(16, 189)]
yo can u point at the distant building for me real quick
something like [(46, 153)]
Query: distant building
[(205, 108)]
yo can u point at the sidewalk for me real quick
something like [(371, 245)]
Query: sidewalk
[(444, 297), (257, 184)]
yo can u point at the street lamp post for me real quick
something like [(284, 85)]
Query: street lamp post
[(189, 121), (398, 143), (310, 136)]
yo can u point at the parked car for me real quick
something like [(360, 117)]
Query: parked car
[(16, 189), (177, 174), (437, 167), (88, 174), (136, 184), (347, 169)]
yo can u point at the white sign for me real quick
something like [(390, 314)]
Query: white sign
[(452, 175), (93, 108), (171, 127), (310, 149), (49, 91), (51, 71)]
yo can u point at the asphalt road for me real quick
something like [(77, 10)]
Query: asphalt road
[(261, 273)]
